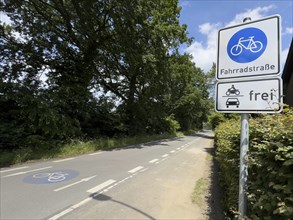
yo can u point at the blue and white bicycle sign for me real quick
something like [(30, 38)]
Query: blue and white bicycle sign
[(247, 44)]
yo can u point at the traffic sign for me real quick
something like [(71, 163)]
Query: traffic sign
[(257, 96), (250, 49)]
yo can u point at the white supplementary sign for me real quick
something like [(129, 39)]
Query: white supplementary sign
[(250, 49), (258, 96)]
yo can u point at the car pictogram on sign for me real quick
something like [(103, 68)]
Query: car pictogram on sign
[(232, 101)]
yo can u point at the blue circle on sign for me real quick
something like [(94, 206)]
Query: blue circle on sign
[(51, 176), (247, 45)]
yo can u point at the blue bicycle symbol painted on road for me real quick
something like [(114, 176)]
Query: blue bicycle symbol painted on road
[(51, 176), (247, 45)]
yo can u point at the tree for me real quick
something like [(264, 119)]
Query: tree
[(189, 96), (211, 76), (88, 68)]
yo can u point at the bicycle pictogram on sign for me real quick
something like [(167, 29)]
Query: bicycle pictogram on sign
[(247, 45)]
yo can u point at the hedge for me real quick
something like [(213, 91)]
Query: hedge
[(270, 171)]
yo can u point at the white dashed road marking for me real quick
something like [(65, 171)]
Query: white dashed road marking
[(75, 183), (101, 186), (29, 171), (18, 168), (153, 161), (135, 169)]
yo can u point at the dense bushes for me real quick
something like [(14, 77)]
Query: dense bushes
[(227, 142), (216, 118), (270, 180)]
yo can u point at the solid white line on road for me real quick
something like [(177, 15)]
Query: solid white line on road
[(18, 168), (153, 161), (29, 171), (135, 169), (165, 155), (72, 184), (66, 211), (101, 186), (95, 153), (93, 190), (58, 161)]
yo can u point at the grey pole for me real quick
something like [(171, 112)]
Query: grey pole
[(243, 171)]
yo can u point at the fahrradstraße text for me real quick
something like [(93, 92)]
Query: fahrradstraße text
[(248, 69)]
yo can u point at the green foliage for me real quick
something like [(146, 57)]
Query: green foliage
[(216, 118), (227, 141), (271, 165), (172, 126), (90, 69), (188, 93), (75, 147), (270, 180)]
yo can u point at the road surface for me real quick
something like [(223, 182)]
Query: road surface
[(149, 181)]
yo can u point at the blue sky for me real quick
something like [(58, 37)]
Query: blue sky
[(205, 18)]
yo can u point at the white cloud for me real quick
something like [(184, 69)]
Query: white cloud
[(204, 54), (254, 14), (289, 31), (206, 28), (284, 54)]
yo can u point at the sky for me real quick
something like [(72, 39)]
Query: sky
[(204, 18)]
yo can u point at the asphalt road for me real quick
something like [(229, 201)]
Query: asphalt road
[(130, 183)]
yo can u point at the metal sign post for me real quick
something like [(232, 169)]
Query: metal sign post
[(243, 169)]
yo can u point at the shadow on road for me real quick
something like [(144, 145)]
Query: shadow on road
[(102, 197), (162, 142), (204, 134)]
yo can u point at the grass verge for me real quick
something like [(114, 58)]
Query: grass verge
[(75, 147), (199, 191)]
